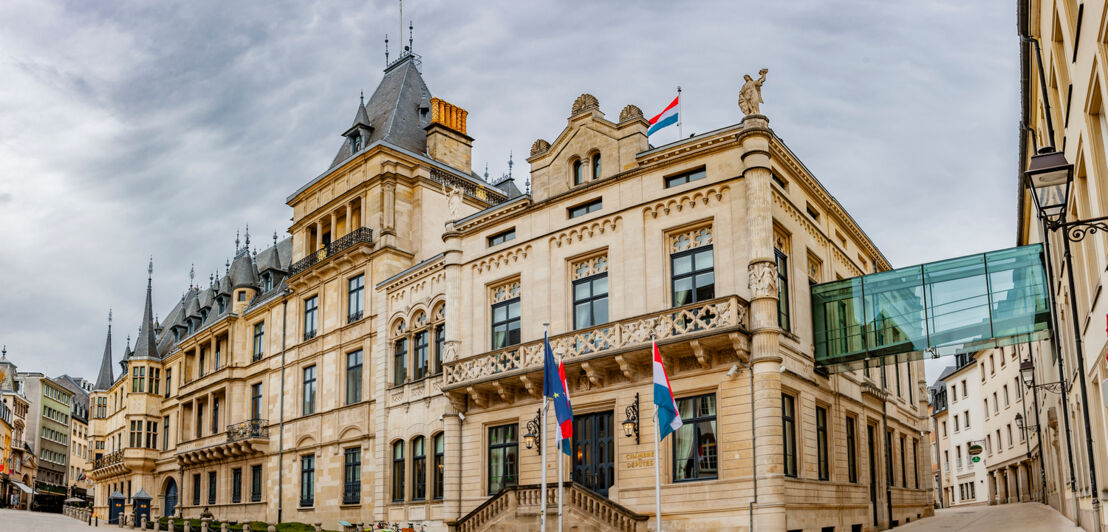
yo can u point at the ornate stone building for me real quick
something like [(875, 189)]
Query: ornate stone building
[(384, 361)]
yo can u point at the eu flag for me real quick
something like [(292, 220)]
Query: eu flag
[(554, 387)]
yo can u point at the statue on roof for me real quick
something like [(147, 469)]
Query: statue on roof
[(750, 95), (454, 202)]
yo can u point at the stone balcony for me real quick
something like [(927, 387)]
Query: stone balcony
[(693, 332), (243, 439), (108, 465)]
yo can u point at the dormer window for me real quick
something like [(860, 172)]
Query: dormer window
[(355, 143), (267, 282), (578, 173), (222, 303), (596, 166)]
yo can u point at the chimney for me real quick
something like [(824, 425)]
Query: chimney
[(447, 141)]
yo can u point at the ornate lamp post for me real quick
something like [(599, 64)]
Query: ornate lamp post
[(533, 437), (1049, 177), (631, 424)]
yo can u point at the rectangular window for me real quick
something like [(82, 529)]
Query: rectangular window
[(352, 476), (590, 301), (354, 289), (419, 351), (503, 454), (255, 483), (168, 380), (259, 335), (851, 456), (236, 485), (889, 458), (307, 480), (256, 401), (152, 434), (419, 469), (685, 177), (211, 487), (915, 462), (505, 324), (695, 456), (503, 237), (439, 465), (1005, 393), (309, 390), (903, 463), (311, 308), (215, 415), (783, 292), (440, 346), (693, 277), (585, 208), (400, 362), (165, 433), (821, 444), (788, 421), (196, 489), (155, 380), (354, 377)]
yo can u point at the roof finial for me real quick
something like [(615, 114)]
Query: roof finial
[(237, 248), (486, 171), (361, 97), (150, 271), (247, 237), (510, 163), (527, 183), (192, 275), (274, 237), (128, 342), (410, 48), (211, 279), (227, 266), (4, 352), (386, 49)]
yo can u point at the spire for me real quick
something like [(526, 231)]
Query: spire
[(146, 343), (105, 378)]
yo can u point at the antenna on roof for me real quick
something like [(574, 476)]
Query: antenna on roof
[(4, 352)]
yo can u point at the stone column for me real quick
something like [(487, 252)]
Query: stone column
[(388, 226), (349, 220), (334, 227), (992, 487), (769, 512)]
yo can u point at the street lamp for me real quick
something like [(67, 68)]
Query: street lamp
[(1049, 176), (631, 424), (533, 437)]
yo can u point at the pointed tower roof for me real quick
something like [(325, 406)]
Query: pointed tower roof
[(146, 344), (105, 379)]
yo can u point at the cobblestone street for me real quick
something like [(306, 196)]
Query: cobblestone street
[(1001, 518)]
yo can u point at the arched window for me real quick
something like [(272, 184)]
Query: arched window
[(398, 471), (578, 173), (439, 465), (419, 469), (596, 166)]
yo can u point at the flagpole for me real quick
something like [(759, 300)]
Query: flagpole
[(542, 436), (680, 130), (561, 487), (657, 474)]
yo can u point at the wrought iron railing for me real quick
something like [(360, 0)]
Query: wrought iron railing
[(251, 428), (358, 236), (351, 492), (469, 188), (308, 335), (354, 316), (688, 320), (108, 459)]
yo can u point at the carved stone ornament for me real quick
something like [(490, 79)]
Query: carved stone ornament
[(584, 102), (540, 146), (763, 279), (631, 112)]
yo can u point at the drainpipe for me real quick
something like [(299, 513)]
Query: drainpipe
[(461, 420), (753, 448), (888, 442), (281, 428)]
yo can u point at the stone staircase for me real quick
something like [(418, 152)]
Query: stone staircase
[(517, 509)]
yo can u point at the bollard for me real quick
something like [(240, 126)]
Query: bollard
[(188, 525), (246, 527), (204, 524), (318, 527), (142, 523), (223, 527), (272, 528)]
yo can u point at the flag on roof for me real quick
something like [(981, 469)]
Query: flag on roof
[(667, 117)]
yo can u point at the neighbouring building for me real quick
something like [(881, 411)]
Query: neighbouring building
[(79, 486), (1011, 473), (21, 466), (1064, 88), (940, 440), (385, 360), (47, 428), (966, 483)]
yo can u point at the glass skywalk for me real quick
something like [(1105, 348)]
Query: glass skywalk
[(947, 307)]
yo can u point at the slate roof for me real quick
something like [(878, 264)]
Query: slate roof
[(105, 379), (397, 111), (242, 272)]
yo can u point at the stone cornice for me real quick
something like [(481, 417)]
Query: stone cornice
[(419, 272), (493, 214)]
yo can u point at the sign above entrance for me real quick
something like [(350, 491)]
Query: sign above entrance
[(941, 308)]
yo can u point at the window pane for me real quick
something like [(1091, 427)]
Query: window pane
[(600, 285), (581, 316), (704, 259), (600, 311), (513, 310), (499, 313), (682, 265), (581, 290)]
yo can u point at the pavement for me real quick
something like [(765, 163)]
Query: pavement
[(24, 521), (1029, 516)]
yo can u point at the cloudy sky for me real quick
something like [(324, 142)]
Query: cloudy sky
[(131, 129)]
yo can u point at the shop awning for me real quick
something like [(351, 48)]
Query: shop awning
[(22, 486)]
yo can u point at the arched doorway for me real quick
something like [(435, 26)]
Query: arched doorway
[(170, 497)]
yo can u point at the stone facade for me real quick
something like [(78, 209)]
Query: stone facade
[(401, 358)]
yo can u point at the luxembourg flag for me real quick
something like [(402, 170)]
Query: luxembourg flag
[(669, 419), (554, 387), (667, 117)]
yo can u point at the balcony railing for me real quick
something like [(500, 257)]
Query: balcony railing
[(354, 316), (351, 492), (361, 235), (686, 321), (308, 335), (469, 188), (249, 429), (108, 459)]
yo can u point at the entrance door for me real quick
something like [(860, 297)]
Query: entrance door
[(594, 452), (170, 497), (872, 472)]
